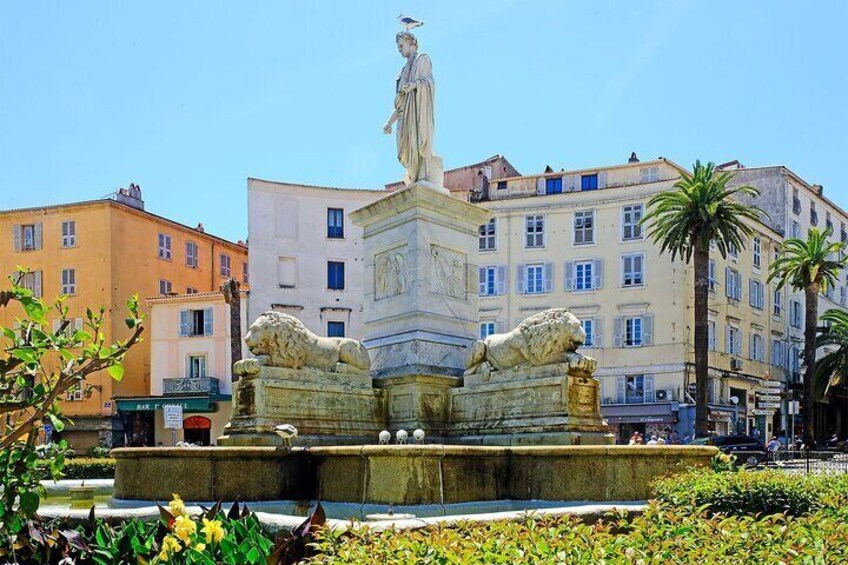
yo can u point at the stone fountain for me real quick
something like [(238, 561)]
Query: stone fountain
[(515, 416)]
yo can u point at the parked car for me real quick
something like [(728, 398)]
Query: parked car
[(749, 450)]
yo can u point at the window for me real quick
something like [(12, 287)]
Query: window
[(589, 182), (777, 301), (711, 275), (778, 352), (583, 275), (492, 280), (74, 394), (195, 323), (635, 389), (164, 286), (245, 274), (650, 174), (733, 251), (287, 272), (534, 275), (27, 237), (814, 216), (69, 281), (757, 246), (758, 348), (335, 329), (487, 328), (584, 227), (632, 270), (631, 228), (69, 233), (795, 313), (733, 284), (488, 236), (633, 332), (225, 270), (796, 229), (534, 231), (196, 367), (335, 275), (191, 290), (711, 335), (191, 254), (32, 281), (74, 325), (756, 296), (589, 327), (553, 186), (502, 185), (165, 246), (828, 222), (733, 339), (335, 223), (796, 202)]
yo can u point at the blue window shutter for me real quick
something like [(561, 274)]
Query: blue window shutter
[(501, 279), (184, 324), (207, 321), (549, 277), (569, 276), (481, 281), (729, 286), (648, 329), (519, 279), (599, 274)]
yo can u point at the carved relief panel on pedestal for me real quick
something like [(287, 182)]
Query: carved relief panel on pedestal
[(448, 272), (391, 276)]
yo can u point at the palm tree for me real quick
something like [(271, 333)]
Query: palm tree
[(699, 211), (832, 368), (812, 266)]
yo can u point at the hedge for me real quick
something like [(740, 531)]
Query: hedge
[(89, 468), (661, 535), (753, 492)]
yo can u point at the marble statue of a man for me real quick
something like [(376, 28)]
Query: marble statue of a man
[(415, 92)]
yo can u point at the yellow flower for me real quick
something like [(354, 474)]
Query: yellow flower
[(199, 547), (169, 545), (176, 506), (184, 528), (213, 531)]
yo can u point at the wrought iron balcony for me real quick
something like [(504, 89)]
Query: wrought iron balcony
[(176, 387)]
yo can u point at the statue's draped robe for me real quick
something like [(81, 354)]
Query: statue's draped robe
[(415, 117)]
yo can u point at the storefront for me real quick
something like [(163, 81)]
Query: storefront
[(658, 419), (204, 418)]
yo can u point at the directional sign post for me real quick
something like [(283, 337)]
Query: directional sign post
[(173, 419)]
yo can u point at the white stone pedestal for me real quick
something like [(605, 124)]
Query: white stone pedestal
[(420, 282)]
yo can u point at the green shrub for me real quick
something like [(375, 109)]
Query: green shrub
[(661, 535), (753, 492), (89, 468)]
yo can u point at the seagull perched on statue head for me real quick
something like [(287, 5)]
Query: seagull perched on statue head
[(409, 23)]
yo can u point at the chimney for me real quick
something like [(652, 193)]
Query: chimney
[(818, 189), (130, 196), (200, 228), (633, 158)]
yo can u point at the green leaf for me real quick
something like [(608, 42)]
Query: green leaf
[(81, 335), (57, 422), (29, 502), (116, 371)]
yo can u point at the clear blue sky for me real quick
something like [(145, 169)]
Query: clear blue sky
[(188, 99)]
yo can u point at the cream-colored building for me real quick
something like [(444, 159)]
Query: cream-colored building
[(571, 239), (190, 365)]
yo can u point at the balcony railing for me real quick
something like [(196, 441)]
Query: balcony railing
[(205, 385)]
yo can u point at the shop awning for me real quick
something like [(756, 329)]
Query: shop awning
[(152, 403), (654, 413)]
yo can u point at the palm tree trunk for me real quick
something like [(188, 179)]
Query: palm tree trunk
[(702, 293), (811, 296)]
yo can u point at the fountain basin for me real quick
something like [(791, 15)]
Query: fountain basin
[(401, 475)]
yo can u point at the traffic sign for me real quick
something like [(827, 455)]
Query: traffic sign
[(762, 412), (771, 384), (769, 397), (173, 416)]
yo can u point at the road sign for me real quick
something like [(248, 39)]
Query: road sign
[(769, 397), (794, 407), (173, 416), (761, 412), (768, 404), (771, 384)]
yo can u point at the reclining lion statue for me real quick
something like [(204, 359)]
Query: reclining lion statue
[(280, 340), (546, 338)]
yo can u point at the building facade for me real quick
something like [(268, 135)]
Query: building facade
[(101, 252), (191, 366), (572, 239)]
